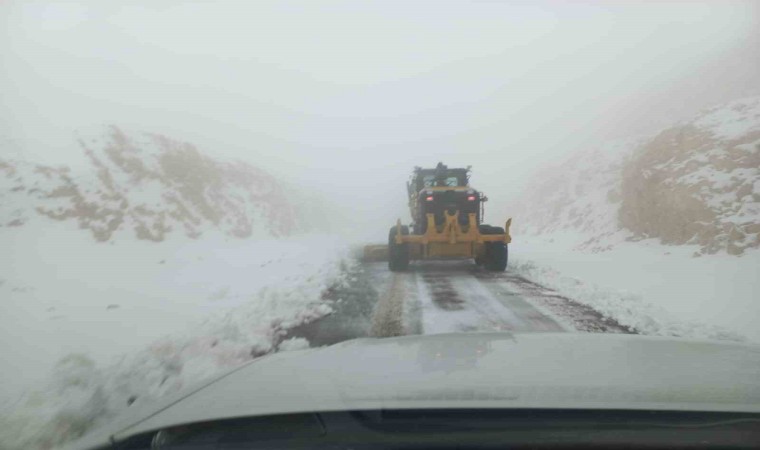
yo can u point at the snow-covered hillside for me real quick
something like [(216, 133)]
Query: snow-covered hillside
[(696, 183), (582, 195), (149, 186), (144, 270), (659, 232)]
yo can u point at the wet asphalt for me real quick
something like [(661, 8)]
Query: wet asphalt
[(443, 297)]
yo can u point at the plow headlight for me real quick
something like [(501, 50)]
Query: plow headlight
[(471, 198), (429, 198)]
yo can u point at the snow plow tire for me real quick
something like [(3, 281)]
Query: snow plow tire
[(497, 253), (483, 229), (398, 254)]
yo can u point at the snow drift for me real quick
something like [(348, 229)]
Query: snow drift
[(205, 309)]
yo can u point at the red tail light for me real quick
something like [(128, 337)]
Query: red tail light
[(429, 198), (471, 198)]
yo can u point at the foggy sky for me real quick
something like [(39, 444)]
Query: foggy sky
[(348, 96)]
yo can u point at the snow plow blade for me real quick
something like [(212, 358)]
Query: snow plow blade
[(374, 253)]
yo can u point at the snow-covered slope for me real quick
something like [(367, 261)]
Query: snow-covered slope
[(141, 269), (87, 330), (149, 186), (582, 195), (619, 227), (697, 182)]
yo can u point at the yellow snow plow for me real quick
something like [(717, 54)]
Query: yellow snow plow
[(447, 215)]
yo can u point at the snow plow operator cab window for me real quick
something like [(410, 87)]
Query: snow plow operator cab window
[(441, 176), (451, 181)]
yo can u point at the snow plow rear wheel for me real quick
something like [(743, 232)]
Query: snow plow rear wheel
[(398, 254), (483, 229), (497, 253)]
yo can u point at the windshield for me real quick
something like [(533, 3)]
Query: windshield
[(432, 181), (187, 187)]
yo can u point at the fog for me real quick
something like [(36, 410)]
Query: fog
[(345, 97)]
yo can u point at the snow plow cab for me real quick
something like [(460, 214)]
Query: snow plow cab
[(447, 223)]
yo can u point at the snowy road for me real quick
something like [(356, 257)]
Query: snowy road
[(445, 297)]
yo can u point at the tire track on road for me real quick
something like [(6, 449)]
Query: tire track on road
[(447, 297), (453, 299), (574, 316), (388, 316)]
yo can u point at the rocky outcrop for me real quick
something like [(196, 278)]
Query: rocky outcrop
[(691, 186), (697, 182), (148, 185)]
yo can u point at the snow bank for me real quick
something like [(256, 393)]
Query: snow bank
[(88, 329), (656, 289)]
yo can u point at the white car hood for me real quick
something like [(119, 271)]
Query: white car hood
[(479, 370)]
